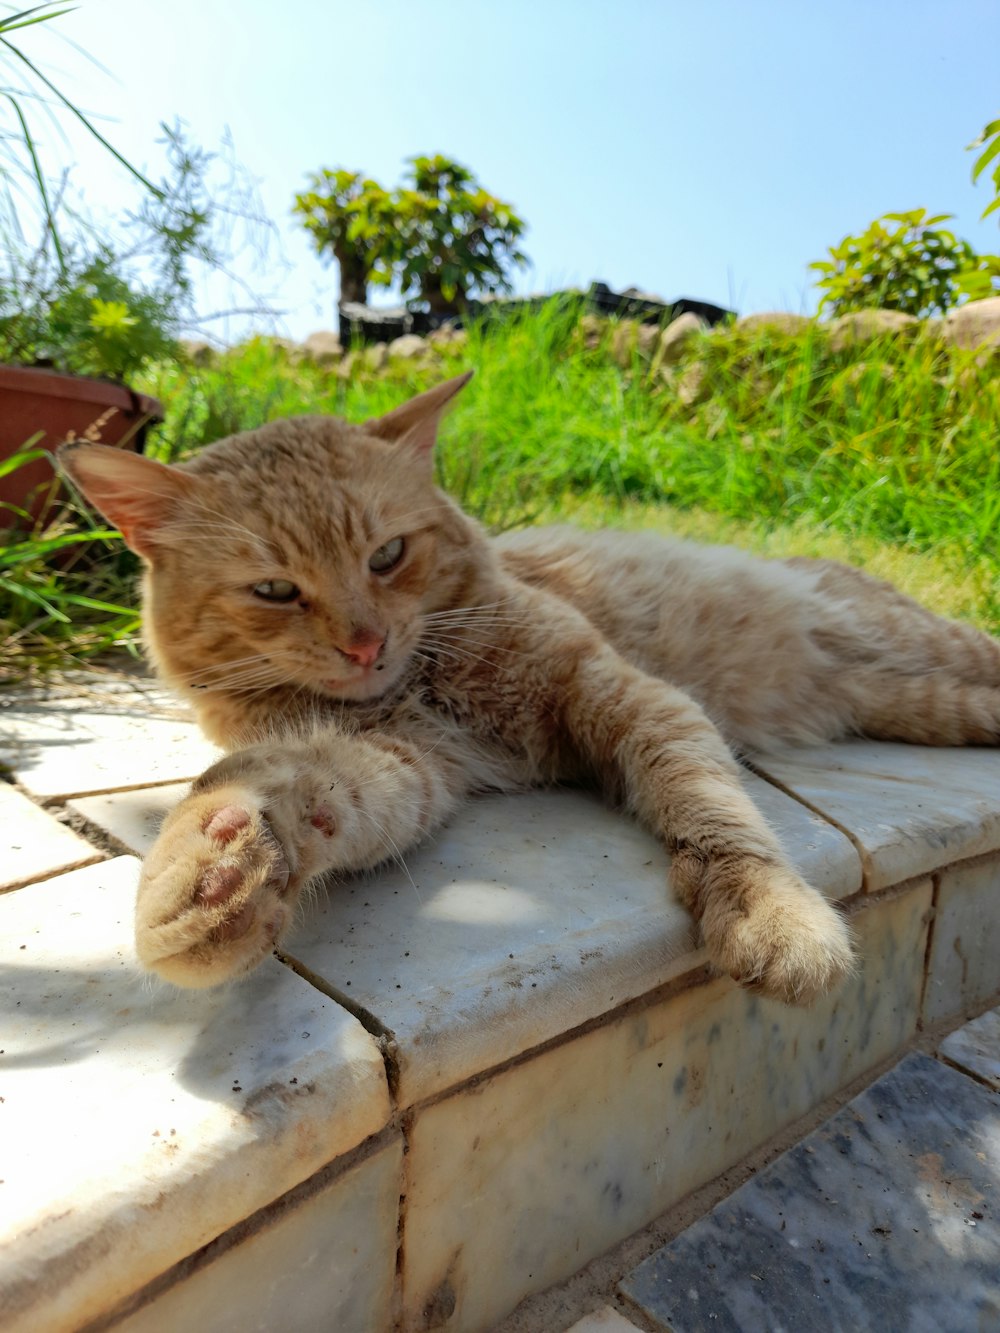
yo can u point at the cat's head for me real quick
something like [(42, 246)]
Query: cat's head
[(304, 553)]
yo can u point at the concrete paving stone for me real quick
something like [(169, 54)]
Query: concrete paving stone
[(524, 917), (325, 1266), (976, 1048), (139, 1122), (911, 809), (963, 968), (64, 747), (605, 1320), (886, 1217), (34, 844), (518, 1179), (132, 817)]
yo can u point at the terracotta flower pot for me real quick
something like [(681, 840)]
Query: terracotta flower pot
[(63, 407)]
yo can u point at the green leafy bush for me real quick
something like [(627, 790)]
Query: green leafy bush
[(906, 262), (989, 142)]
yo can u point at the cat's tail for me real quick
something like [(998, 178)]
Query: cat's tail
[(934, 708)]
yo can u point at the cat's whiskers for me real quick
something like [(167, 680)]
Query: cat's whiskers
[(459, 638), (455, 650), (221, 666)]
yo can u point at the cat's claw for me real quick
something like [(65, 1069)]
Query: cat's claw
[(214, 891)]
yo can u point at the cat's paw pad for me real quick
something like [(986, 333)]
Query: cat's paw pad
[(784, 939), (213, 897)]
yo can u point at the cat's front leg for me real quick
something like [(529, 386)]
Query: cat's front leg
[(761, 923), (220, 886)]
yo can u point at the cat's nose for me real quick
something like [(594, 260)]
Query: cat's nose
[(365, 650)]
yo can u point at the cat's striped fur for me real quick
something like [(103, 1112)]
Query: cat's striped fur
[(363, 711)]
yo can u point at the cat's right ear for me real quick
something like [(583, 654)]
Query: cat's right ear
[(136, 494), (416, 422)]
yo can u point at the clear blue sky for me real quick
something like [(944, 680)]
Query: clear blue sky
[(708, 148)]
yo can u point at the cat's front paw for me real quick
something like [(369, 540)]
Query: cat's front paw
[(774, 934), (215, 892)]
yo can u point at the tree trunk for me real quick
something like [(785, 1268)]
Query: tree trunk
[(353, 277)]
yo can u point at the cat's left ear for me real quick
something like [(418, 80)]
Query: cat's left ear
[(416, 422), (138, 495)]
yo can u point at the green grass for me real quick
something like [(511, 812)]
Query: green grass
[(884, 453)]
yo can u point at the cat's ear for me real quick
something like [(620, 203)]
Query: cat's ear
[(416, 422), (136, 494)]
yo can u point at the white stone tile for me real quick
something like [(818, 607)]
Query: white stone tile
[(325, 1265), (523, 918), (133, 817), (69, 747), (34, 844), (518, 1180), (964, 965), (975, 1048), (605, 1320), (910, 808), (137, 1123)]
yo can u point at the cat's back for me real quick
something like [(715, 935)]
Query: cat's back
[(633, 585)]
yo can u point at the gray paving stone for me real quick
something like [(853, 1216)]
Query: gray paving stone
[(976, 1048), (885, 1218)]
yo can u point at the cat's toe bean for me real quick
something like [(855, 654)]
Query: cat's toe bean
[(213, 897), (223, 824)]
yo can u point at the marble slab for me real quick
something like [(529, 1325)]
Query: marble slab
[(139, 1122), (326, 1264), (885, 1218), (976, 1048), (34, 844), (63, 747), (963, 968), (132, 817), (525, 917), (910, 809), (518, 1179)]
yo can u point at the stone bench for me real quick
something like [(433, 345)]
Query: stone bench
[(466, 1076)]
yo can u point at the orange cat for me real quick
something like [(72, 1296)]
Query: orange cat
[(370, 658)]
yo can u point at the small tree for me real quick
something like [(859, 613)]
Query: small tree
[(914, 266), (440, 235), (348, 217)]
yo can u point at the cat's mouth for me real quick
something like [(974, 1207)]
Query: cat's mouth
[(368, 684)]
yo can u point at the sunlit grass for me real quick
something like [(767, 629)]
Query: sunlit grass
[(883, 453)]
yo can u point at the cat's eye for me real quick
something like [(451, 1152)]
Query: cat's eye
[(387, 556), (276, 590)]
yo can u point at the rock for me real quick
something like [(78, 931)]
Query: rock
[(863, 325), (375, 357), (677, 337), (591, 330), (780, 321), (322, 349), (631, 338), (345, 368), (976, 324), (198, 353), (693, 386), (448, 336), (408, 347)]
